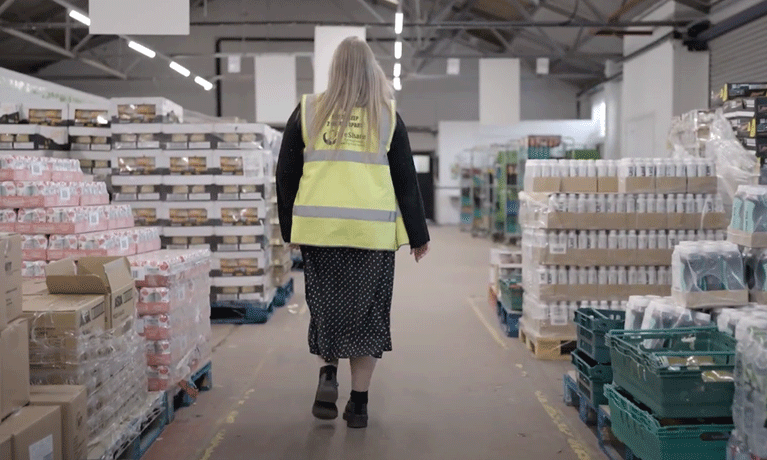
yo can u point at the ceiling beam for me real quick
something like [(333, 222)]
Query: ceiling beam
[(598, 14), (64, 52), (5, 5), (561, 11)]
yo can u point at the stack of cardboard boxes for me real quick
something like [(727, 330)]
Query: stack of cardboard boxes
[(594, 240), (83, 332), (37, 422)]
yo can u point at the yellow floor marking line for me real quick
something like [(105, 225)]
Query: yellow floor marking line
[(492, 330), (213, 444), (581, 450), (233, 413)]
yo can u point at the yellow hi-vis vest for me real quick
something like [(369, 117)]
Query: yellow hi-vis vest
[(346, 195)]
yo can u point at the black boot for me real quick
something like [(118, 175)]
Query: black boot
[(356, 412), (327, 394)]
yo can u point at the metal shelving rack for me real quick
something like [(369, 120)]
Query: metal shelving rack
[(476, 182), (505, 204)]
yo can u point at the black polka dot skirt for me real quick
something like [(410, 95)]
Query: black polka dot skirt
[(349, 294)]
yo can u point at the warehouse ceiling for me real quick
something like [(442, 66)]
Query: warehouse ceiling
[(578, 36)]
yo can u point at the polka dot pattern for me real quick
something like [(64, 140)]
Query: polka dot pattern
[(349, 294)]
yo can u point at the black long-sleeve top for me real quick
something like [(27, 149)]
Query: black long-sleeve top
[(290, 165)]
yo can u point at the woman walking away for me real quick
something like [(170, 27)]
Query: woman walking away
[(348, 195)]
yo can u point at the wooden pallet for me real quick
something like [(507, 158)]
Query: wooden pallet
[(546, 348)]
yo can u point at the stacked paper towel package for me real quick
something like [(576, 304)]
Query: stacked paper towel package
[(596, 232)]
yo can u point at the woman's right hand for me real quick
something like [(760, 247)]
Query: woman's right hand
[(420, 253)]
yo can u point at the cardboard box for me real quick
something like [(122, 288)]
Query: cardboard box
[(702, 185), (72, 400), (579, 185), (671, 185), (543, 184), (109, 276), (543, 327), (757, 145), (6, 447), (586, 292), (14, 366), (759, 297), (10, 277), (65, 316), (607, 185), (636, 184), (710, 299), (34, 287), (750, 240), (649, 221), (602, 257), (35, 433)]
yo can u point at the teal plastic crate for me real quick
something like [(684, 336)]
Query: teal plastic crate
[(657, 378), (594, 371), (593, 324), (511, 293), (649, 440), (592, 390)]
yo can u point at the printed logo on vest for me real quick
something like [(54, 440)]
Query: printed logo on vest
[(328, 141)]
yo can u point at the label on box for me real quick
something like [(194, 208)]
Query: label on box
[(228, 197), (176, 146), (124, 243), (94, 218), (138, 273), (64, 194), (558, 249), (148, 145), (24, 145), (37, 168), (199, 145), (42, 449)]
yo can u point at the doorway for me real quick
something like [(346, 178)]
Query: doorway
[(424, 168)]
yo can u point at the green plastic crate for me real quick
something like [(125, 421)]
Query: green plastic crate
[(648, 440), (673, 390), (592, 390), (511, 293), (597, 372), (593, 324)]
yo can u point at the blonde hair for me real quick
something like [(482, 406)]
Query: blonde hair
[(356, 81)]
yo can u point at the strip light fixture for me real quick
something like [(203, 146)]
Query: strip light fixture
[(397, 84), (207, 86), (399, 20), (141, 49), (79, 17), (397, 49), (180, 69), (397, 69)]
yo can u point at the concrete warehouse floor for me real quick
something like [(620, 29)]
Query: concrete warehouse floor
[(454, 387)]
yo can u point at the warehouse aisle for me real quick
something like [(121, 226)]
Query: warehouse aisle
[(452, 389)]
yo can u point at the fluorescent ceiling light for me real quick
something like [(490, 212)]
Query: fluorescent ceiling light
[(397, 49), (397, 69), (180, 69), (399, 20), (397, 83), (77, 16), (141, 49), (204, 83)]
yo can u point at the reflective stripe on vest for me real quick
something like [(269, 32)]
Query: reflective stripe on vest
[(346, 197), (329, 212)]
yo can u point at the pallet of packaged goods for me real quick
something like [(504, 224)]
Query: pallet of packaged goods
[(174, 310), (598, 232), (81, 337), (206, 186)]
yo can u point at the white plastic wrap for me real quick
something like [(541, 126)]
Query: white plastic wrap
[(174, 311), (110, 364), (749, 406), (707, 267), (710, 135)]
